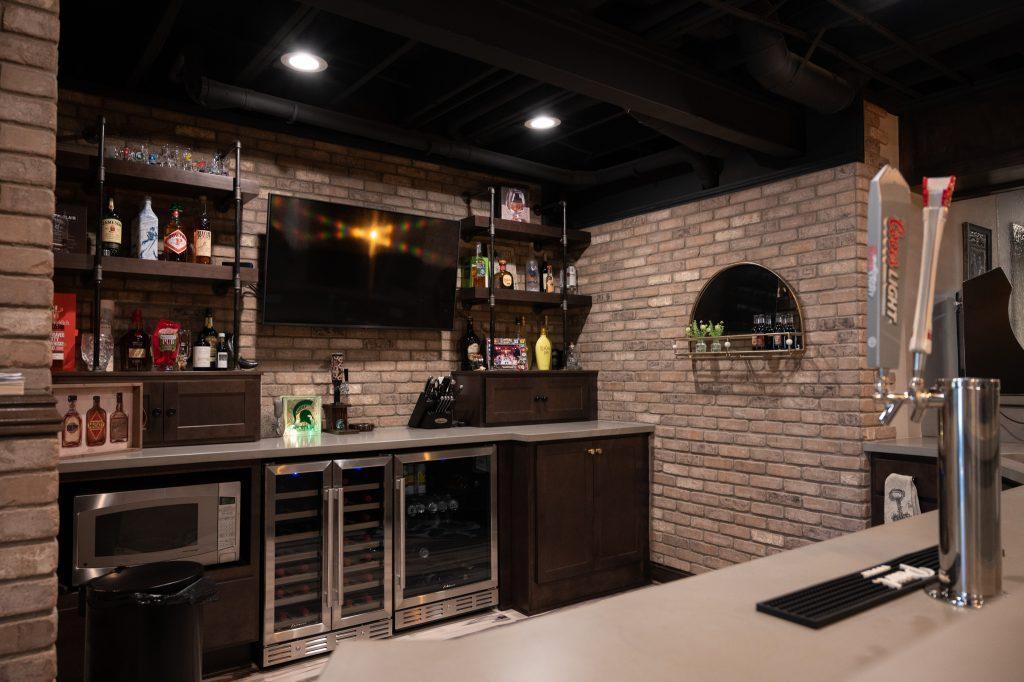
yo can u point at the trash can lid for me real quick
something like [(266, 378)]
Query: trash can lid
[(163, 577)]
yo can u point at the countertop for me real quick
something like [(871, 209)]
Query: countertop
[(1011, 453), (706, 627), (378, 440)]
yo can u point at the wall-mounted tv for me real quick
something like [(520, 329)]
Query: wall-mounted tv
[(333, 265)]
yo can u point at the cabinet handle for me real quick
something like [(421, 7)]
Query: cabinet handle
[(171, 412), (543, 398), (598, 451), (536, 398), (157, 412), (591, 451)]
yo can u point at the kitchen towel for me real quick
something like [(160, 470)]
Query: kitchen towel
[(900, 498)]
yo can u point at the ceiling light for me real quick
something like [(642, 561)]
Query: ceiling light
[(542, 123), (305, 62)]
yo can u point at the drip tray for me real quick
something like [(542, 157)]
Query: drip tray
[(825, 603)]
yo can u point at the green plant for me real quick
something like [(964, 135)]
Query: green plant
[(717, 329)]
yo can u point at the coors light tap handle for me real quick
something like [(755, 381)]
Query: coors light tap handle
[(937, 193)]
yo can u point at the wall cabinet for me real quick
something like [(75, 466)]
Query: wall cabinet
[(191, 408), (574, 520), (534, 397)]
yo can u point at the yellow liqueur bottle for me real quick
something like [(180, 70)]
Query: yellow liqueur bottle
[(542, 353)]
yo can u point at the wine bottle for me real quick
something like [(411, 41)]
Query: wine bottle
[(472, 358)]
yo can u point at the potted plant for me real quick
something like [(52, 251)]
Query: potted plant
[(698, 330), (714, 331)]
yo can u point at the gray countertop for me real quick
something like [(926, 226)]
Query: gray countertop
[(706, 627), (378, 440), (1011, 453)]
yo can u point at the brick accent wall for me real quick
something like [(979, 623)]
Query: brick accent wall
[(750, 458), (28, 475), (387, 367)]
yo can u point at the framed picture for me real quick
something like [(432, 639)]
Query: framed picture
[(99, 417), (977, 250), (515, 204)]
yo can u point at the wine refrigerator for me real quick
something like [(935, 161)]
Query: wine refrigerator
[(327, 543), (446, 536)]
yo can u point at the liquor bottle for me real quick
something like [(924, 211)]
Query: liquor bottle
[(202, 237), (471, 358), (505, 279), (542, 354), (71, 431), (570, 279), (119, 422), (479, 267), (532, 275), (222, 351), (549, 280), (111, 230), (147, 233), (175, 241), (421, 479), (204, 354), (135, 345), (777, 343), (755, 339), (95, 424)]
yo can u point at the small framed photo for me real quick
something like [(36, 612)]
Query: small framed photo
[(977, 250), (99, 417), (515, 204), (302, 413)]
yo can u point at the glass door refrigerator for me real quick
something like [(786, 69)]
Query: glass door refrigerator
[(446, 536), (327, 563)]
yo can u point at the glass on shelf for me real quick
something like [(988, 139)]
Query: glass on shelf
[(106, 350)]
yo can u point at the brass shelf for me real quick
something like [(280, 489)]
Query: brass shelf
[(684, 348)]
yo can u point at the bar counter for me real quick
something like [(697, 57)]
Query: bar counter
[(706, 627), (1011, 453)]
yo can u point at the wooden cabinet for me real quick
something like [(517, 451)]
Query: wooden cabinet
[(191, 408), (574, 521), (505, 398)]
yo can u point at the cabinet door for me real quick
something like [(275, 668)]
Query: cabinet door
[(152, 413), (620, 501), (211, 411), (510, 400), (563, 511), (563, 398)]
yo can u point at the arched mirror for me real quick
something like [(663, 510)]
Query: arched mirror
[(753, 310)]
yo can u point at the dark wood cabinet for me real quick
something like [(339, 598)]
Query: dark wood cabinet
[(575, 520), (191, 408), (505, 398)]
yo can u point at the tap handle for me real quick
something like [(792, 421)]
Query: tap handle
[(937, 194)]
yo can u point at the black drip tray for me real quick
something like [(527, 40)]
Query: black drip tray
[(819, 605)]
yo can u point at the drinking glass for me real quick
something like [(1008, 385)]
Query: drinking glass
[(106, 351)]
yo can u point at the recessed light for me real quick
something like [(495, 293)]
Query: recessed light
[(542, 122), (306, 62)]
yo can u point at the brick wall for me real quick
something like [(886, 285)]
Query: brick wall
[(749, 458), (387, 367), (28, 476)]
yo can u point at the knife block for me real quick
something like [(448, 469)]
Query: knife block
[(427, 415)]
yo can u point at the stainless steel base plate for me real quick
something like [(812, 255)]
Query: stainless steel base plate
[(324, 644), (962, 599), (439, 610)]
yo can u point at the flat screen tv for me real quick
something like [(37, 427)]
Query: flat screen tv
[(333, 265)]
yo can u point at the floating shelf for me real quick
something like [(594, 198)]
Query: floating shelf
[(740, 346), (74, 164), (478, 227), (152, 269), (478, 296)]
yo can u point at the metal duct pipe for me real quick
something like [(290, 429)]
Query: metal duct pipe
[(216, 95), (777, 69)]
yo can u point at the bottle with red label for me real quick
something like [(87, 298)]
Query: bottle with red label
[(175, 240), (95, 424)]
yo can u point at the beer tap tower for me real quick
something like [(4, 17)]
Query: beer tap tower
[(970, 545)]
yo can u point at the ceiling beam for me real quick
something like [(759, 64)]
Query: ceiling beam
[(155, 43), (373, 72), (577, 54)]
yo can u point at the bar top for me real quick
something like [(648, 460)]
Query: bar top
[(378, 440), (706, 627), (1011, 453)]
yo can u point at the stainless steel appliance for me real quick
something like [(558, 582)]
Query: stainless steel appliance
[(446, 558), (131, 527), (327, 563)]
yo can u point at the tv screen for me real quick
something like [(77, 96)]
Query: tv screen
[(344, 266)]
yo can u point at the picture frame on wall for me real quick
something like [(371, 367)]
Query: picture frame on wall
[(977, 250), (515, 204)]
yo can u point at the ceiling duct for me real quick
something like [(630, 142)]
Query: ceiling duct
[(777, 69), (216, 95)]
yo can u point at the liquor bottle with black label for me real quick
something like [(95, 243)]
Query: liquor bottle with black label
[(175, 241), (112, 230), (135, 346), (472, 357), (202, 237), (119, 422), (95, 424), (71, 431)]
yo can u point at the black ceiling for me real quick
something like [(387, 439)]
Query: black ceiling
[(900, 53)]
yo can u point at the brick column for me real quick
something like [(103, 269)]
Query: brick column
[(28, 448)]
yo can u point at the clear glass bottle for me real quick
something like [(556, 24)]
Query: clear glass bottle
[(532, 275), (147, 232), (572, 361)]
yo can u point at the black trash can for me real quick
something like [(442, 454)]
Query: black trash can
[(143, 623)]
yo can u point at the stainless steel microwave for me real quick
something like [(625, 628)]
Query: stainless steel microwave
[(131, 527)]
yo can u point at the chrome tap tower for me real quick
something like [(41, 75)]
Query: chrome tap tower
[(970, 544)]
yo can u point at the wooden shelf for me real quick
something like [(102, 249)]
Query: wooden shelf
[(175, 375), (74, 164), (478, 296), (476, 227), (152, 269)]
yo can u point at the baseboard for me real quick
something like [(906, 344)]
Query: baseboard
[(660, 573)]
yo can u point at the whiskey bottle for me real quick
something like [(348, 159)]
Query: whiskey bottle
[(119, 422), (111, 229), (135, 346), (71, 431), (175, 241), (202, 237), (222, 351), (95, 424), (505, 279)]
